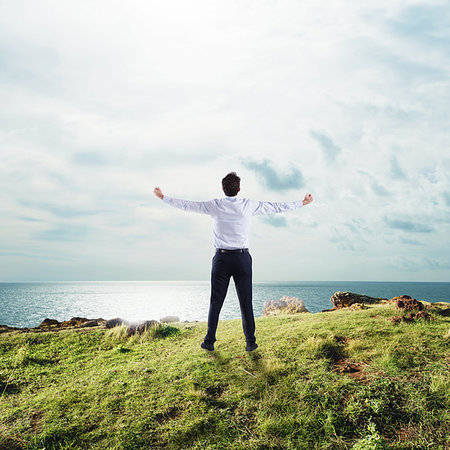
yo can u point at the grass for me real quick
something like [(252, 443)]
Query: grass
[(336, 380)]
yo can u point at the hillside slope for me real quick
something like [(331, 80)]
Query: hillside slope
[(339, 379)]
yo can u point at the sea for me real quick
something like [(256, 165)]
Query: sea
[(28, 304)]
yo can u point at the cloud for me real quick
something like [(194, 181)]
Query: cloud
[(406, 225), (421, 24), (275, 221), (88, 159), (64, 233), (377, 188), (446, 196), (410, 241), (274, 180), (329, 147), (65, 211), (92, 121), (29, 219), (343, 242), (396, 171)]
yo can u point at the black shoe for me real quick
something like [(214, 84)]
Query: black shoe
[(208, 347), (251, 347)]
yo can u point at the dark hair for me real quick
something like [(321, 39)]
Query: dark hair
[(231, 184)]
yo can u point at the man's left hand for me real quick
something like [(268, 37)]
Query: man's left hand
[(158, 192)]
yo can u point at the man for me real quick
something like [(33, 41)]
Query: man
[(231, 218)]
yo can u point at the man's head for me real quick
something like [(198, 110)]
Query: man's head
[(231, 184)]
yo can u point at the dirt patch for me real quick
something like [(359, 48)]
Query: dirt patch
[(214, 391), (351, 368), (170, 414), (7, 387), (343, 365), (341, 339), (36, 421)]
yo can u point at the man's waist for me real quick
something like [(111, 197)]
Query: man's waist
[(231, 250)]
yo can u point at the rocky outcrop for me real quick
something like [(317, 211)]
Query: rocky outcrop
[(412, 317), (346, 299), (6, 328), (169, 319), (139, 328), (92, 323), (415, 309), (49, 323), (78, 322), (286, 304), (117, 321), (75, 322), (407, 303)]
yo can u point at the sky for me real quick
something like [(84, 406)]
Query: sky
[(101, 101)]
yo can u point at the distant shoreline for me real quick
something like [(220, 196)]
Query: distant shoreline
[(27, 304)]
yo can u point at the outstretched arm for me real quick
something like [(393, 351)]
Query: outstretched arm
[(276, 207), (185, 205)]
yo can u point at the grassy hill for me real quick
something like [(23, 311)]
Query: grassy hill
[(341, 379)]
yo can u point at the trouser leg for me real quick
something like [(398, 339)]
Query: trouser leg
[(220, 279), (243, 281)]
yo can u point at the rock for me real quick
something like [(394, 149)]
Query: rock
[(286, 304), (6, 328), (346, 299), (357, 306), (90, 323), (423, 315), (139, 328), (169, 319), (398, 319), (49, 323), (411, 317), (117, 321), (74, 322), (407, 303)]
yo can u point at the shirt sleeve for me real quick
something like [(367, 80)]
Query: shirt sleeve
[(187, 205), (275, 207)]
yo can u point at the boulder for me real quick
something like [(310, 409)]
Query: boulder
[(286, 304), (90, 323), (411, 317), (74, 322), (169, 319), (117, 321), (49, 323), (357, 306), (140, 327), (345, 299), (423, 315), (407, 303)]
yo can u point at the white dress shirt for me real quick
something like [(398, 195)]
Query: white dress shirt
[(231, 216)]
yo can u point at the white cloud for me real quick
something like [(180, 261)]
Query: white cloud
[(102, 101)]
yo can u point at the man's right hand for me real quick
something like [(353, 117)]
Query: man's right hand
[(308, 199), (157, 191)]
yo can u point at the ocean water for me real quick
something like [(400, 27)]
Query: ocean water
[(28, 304)]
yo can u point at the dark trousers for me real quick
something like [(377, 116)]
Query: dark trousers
[(224, 266)]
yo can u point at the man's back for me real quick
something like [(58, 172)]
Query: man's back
[(232, 216)]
